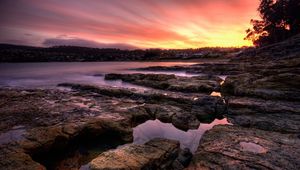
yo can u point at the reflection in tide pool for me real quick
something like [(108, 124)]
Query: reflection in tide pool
[(214, 93), (156, 129), (11, 136)]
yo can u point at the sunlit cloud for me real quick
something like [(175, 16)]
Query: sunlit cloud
[(143, 24)]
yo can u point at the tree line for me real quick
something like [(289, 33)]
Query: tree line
[(280, 19)]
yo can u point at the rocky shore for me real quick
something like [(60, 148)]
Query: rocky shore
[(91, 127)]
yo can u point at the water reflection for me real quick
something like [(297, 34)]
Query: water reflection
[(13, 135), (214, 93), (223, 77), (156, 129)]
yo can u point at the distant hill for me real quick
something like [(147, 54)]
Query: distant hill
[(19, 53)]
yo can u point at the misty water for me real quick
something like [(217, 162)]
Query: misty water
[(48, 75)]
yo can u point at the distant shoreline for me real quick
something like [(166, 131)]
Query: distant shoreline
[(142, 61), (14, 53)]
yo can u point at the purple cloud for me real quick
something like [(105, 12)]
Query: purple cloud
[(84, 43), (142, 23)]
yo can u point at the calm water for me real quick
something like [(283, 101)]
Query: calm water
[(45, 75), (156, 129)]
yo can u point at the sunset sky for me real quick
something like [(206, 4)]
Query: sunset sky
[(127, 23)]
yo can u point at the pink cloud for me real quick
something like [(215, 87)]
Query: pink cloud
[(152, 23)]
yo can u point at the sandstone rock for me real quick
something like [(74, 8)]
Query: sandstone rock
[(272, 115), (42, 125), (13, 158), (285, 49), (216, 68), (183, 110), (283, 86), (232, 147), (171, 82), (156, 154)]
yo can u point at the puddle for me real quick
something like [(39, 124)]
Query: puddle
[(12, 135), (252, 147), (156, 129), (216, 94), (223, 77), (64, 89)]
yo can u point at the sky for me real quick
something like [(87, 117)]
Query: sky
[(127, 24)]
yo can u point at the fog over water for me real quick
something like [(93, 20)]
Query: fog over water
[(48, 75)]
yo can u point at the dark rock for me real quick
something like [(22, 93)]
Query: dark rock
[(185, 157), (208, 108)]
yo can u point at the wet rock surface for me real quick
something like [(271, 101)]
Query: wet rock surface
[(217, 68), (233, 147), (263, 105), (183, 110), (205, 84), (54, 129), (285, 49), (272, 115), (283, 86), (155, 154), (57, 129), (38, 125)]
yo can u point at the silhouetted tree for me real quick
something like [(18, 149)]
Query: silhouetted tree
[(280, 19)]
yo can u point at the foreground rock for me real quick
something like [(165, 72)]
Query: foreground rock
[(40, 127), (286, 49), (54, 129), (171, 82), (155, 154), (271, 115), (184, 111), (266, 97), (283, 86), (232, 147), (217, 68)]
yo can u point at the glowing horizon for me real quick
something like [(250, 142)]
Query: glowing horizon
[(128, 24)]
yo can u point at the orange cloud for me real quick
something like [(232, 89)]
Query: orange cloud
[(143, 24)]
